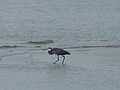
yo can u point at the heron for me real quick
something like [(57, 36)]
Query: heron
[(58, 51)]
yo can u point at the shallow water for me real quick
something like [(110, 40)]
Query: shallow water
[(88, 29)]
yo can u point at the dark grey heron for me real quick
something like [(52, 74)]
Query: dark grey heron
[(58, 51)]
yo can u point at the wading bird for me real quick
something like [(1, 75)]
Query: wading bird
[(58, 51)]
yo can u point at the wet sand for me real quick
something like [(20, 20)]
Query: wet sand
[(84, 69)]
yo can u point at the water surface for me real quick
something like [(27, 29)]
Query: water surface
[(89, 29)]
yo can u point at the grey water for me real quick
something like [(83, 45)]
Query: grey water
[(69, 23)]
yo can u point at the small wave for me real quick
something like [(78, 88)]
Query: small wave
[(76, 47), (40, 42), (19, 66), (105, 46), (7, 46)]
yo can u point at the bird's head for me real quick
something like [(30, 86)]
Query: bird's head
[(49, 49)]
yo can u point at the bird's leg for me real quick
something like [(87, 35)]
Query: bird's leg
[(63, 59), (57, 60)]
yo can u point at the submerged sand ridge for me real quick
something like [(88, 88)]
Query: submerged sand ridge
[(41, 42), (9, 46), (29, 42)]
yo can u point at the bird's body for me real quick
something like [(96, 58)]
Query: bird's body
[(58, 51)]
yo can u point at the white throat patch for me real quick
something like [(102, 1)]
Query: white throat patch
[(49, 50)]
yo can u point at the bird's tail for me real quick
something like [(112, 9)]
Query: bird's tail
[(68, 53)]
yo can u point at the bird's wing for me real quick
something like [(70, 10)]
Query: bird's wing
[(59, 51)]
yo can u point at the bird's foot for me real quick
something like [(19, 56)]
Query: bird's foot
[(54, 62)]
